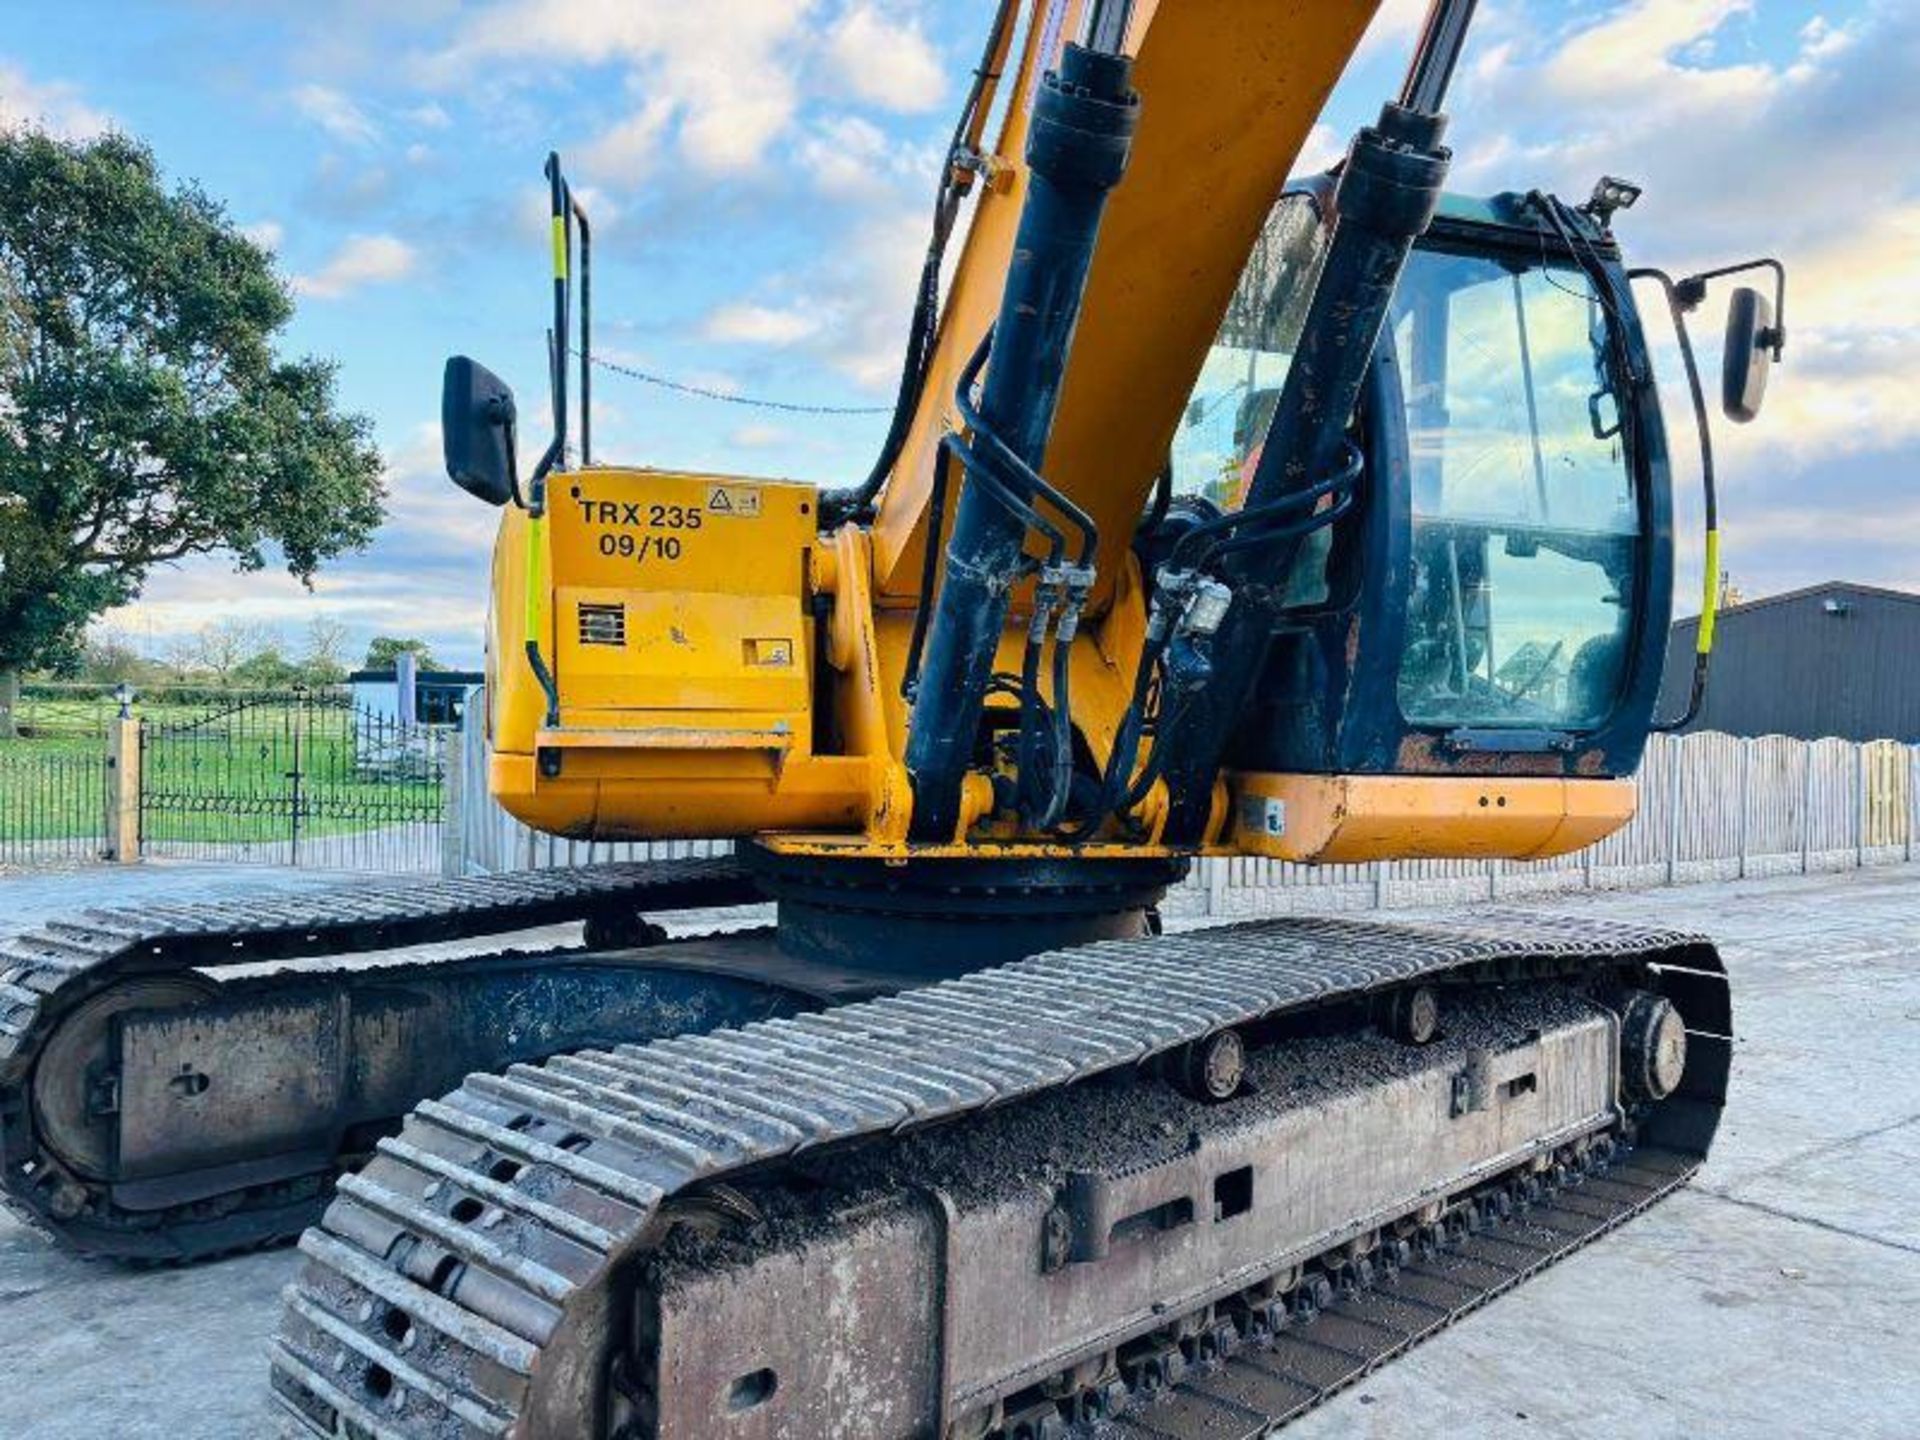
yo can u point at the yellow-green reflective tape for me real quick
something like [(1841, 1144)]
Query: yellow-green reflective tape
[(536, 577), (559, 247), (1710, 602)]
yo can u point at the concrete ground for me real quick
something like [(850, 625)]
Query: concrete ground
[(1775, 1296)]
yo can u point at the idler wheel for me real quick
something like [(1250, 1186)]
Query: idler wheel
[(73, 1070), (1653, 1047)]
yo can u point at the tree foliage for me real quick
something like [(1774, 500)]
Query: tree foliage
[(384, 652), (144, 415)]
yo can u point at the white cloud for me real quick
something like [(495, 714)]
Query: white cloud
[(730, 83), (884, 60), (337, 114), (1812, 157), (430, 116), (1323, 146), (870, 288), (361, 260), (853, 158), (51, 105), (1395, 26), (267, 234), (719, 92), (854, 316), (760, 437), (774, 326), (629, 147)]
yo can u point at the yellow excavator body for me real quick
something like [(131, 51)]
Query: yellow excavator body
[(725, 670)]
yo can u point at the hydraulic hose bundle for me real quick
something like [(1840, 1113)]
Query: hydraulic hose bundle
[(1082, 131)]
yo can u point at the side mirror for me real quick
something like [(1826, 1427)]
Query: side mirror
[(476, 431), (1748, 356)]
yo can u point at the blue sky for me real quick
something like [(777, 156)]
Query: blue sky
[(759, 172)]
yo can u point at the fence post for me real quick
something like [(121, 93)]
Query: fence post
[(1746, 799), (1676, 756), (123, 786), (453, 802), (1860, 807), (1806, 806), (1907, 809)]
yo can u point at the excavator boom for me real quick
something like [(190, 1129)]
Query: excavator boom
[(1229, 93)]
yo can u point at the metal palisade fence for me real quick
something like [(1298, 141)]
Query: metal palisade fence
[(1712, 807)]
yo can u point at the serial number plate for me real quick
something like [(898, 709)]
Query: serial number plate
[(647, 531)]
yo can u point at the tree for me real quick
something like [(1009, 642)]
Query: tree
[(324, 660), (223, 648), (111, 658), (385, 651), (268, 669), (144, 416)]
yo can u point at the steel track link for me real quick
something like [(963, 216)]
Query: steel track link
[(462, 1285), (1264, 1384), (46, 973)]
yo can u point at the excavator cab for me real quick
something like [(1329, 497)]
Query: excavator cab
[(1495, 600), (1494, 603)]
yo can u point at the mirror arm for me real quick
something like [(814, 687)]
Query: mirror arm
[(503, 417), (1692, 290), (1678, 304)]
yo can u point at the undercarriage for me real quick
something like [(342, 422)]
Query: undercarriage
[(1200, 1179), (178, 1082), (181, 1081)]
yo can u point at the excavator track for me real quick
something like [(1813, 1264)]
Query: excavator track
[(129, 964), (496, 1269), (1242, 1383)]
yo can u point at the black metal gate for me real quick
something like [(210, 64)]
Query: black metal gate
[(301, 779), (54, 798)]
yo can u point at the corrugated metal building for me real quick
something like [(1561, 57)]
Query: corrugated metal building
[(1833, 659)]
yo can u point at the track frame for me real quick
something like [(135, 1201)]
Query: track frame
[(506, 1291)]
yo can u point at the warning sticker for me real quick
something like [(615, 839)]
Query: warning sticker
[(1262, 815), (776, 652), (738, 500)]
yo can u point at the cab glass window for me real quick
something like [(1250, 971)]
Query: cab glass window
[(1525, 514), (1220, 436)]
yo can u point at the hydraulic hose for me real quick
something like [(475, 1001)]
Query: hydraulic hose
[(856, 504)]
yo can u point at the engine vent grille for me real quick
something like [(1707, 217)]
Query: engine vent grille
[(603, 625)]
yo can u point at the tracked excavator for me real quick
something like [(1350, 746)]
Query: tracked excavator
[(1324, 520)]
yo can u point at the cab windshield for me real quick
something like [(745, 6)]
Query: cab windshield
[(1218, 442), (1525, 514)]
